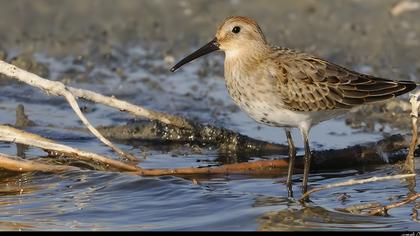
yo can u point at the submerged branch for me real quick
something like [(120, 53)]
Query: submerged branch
[(355, 182), (383, 209), (356, 209), (377, 209)]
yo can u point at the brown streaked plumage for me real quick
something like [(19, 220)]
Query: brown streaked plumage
[(286, 88), (307, 83)]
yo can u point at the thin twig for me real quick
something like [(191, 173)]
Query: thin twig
[(354, 182), (73, 103), (383, 210), (17, 164), (58, 89), (131, 108)]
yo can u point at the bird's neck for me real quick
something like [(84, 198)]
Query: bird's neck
[(240, 61)]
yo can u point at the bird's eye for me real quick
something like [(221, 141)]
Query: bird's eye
[(236, 29)]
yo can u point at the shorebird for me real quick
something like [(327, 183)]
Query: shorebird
[(286, 88)]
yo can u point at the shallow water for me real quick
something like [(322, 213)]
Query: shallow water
[(93, 200), (88, 200)]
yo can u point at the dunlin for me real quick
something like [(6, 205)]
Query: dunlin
[(281, 87)]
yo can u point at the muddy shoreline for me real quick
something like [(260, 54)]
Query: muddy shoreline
[(362, 35)]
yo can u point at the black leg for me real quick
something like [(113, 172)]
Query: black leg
[(307, 161), (292, 155)]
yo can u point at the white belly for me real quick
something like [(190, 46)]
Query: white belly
[(278, 117), (267, 113)]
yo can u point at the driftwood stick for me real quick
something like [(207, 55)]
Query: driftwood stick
[(9, 134), (58, 89), (17, 164), (354, 182), (409, 162), (383, 209)]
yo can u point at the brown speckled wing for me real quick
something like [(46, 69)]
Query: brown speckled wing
[(306, 83)]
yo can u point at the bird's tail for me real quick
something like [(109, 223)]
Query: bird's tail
[(409, 86)]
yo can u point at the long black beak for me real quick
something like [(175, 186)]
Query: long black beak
[(206, 49)]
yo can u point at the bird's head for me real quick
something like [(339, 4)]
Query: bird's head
[(237, 35)]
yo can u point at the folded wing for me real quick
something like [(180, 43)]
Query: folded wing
[(311, 84)]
